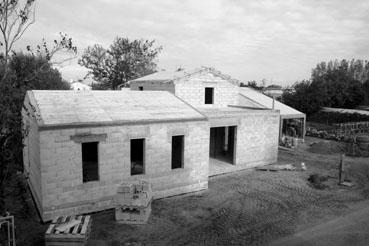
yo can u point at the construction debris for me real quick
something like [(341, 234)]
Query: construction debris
[(346, 183), (303, 167), (274, 168), (316, 180), (133, 203), (284, 148)]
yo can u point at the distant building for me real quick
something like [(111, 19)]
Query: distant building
[(79, 86), (273, 91)]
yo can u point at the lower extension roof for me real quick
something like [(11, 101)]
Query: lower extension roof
[(65, 109), (258, 99)]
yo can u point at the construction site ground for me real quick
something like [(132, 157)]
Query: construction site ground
[(252, 208)]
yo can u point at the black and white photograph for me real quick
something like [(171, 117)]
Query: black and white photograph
[(184, 122)]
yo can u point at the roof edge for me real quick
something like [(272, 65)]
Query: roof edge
[(212, 71), (115, 123), (190, 73), (37, 111)]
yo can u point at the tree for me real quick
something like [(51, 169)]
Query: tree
[(123, 61), (25, 72), (35, 72), (306, 97), (14, 21), (366, 91), (338, 84), (254, 85), (19, 73)]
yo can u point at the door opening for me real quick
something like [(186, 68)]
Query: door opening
[(222, 143)]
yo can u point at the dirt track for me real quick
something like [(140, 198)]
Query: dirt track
[(351, 229), (246, 208)]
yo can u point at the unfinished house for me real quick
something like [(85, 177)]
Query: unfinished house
[(208, 88), (174, 132), (292, 121), (240, 136), (81, 145)]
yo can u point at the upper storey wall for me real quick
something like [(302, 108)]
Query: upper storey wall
[(192, 90)]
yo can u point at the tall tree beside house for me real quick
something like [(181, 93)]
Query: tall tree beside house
[(19, 72), (124, 60), (24, 72)]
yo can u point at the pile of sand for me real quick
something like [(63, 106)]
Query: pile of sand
[(328, 147)]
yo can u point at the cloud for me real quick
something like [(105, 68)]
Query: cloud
[(274, 39)]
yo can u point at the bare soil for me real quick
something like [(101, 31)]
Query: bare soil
[(244, 208)]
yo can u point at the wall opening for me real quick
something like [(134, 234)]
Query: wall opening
[(222, 143), (90, 166), (209, 95), (137, 156), (140, 88), (293, 127), (177, 151)]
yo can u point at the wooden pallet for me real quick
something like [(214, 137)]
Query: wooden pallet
[(132, 214), (76, 235)]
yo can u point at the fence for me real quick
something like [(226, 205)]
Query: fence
[(351, 128), (7, 230)]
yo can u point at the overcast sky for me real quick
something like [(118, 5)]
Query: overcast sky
[(249, 40)]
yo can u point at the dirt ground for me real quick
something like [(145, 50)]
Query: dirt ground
[(244, 208)]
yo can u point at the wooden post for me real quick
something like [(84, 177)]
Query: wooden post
[(353, 144), (341, 169), (273, 102)]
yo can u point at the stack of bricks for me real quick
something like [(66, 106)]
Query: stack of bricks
[(133, 203)]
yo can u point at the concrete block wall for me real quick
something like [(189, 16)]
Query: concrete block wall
[(152, 86), (257, 139), (192, 90), (64, 193), (31, 152)]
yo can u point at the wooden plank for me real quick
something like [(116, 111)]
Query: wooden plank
[(64, 219), (51, 227), (72, 218), (75, 230), (55, 220), (65, 227), (69, 237), (85, 224)]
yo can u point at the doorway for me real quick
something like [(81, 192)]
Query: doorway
[(222, 143)]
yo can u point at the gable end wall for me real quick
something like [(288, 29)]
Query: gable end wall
[(31, 152), (192, 90)]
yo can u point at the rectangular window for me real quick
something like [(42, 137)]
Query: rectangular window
[(90, 166), (137, 156), (177, 151), (140, 88), (209, 95)]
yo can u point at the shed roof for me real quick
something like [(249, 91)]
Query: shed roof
[(75, 108), (345, 111), (259, 98)]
